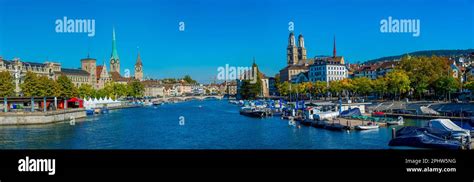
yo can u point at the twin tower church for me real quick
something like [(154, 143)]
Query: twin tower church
[(322, 68), (99, 75)]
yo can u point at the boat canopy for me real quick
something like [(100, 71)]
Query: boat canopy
[(351, 112), (444, 124)]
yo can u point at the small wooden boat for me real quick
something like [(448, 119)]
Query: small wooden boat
[(368, 126)]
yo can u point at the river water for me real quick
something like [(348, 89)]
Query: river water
[(208, 124)]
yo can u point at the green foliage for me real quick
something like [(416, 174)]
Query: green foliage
[(66, 87), (379, 85), (31, 85), (189, 80), (398, 82), (469, 85), (7, 88), (423, 71), (41, 86), (49, 87), (169, 81), (86, 91), (101, 93), (335, 87), (320, 87), (283, 88), (251, 90), (362, 86), (136, 89), (446, 85)]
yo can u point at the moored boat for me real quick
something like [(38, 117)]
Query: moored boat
[(89, 112), (156, 103), (447, 129), (368, 126), (351, 113), (411, 136), (336, 126), (306, 122), (399, 121), (320, 123), (253, 112)]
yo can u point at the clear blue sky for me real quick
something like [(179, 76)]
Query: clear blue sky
[(226, 32)]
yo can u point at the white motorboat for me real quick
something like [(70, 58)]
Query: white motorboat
[(369, 126)]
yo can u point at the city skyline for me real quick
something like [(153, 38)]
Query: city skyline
[(219, 33)]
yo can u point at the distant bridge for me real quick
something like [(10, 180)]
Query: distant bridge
[(186, 98)]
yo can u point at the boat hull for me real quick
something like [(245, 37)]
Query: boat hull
[(364, 127), (306, 122), (253, 114), (335, 127)]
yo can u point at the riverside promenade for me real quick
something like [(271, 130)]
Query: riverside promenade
[(24, 118)]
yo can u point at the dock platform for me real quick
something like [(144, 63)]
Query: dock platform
[(428, 117), (351, 123)]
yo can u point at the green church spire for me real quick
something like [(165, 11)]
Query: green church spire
[(114, 46)]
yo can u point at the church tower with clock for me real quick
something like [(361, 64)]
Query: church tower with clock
[(139, 68), (114, 58)]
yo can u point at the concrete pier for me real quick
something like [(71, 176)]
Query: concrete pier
[(24, 118), (351, 123)]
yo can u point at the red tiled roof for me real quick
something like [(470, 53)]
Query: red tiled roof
[(388, 64), (116, 77)]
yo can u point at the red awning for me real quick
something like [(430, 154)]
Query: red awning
[(74, 99)]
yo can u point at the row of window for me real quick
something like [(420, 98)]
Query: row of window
[(328, 68), (79, 78), (328, 79), (317, 73), (27, 68)]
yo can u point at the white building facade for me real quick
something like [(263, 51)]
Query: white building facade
[(327, 70)]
